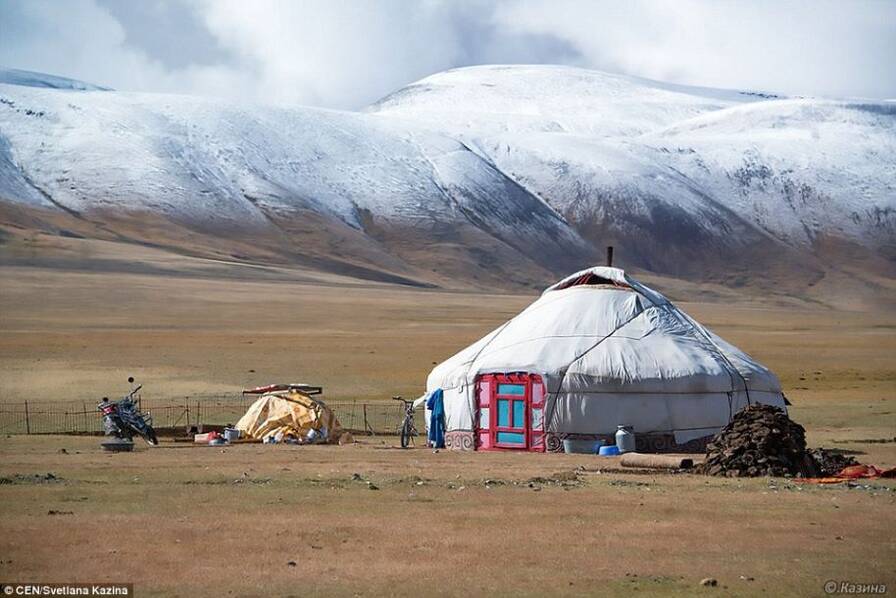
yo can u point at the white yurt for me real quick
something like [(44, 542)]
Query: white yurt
[(596, 351)]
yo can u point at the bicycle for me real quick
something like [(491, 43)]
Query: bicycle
[(407, 430)]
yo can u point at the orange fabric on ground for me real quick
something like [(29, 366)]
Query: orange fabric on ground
[(853, 472)]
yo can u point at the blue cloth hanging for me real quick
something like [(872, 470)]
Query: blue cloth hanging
[(436, 406)]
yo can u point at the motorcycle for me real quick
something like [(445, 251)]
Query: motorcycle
[(122, 420)]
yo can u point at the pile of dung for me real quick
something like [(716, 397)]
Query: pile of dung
[(830, 463), (759, 441)]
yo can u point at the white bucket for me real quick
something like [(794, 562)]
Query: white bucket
[(625, 438)]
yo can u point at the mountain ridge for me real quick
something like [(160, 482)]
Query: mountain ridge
[(484, 176), (34, 79)]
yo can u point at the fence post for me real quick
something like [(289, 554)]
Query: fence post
[(27, 419), (367, 427)]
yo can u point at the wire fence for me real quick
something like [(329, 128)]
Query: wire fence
[(173, 415)]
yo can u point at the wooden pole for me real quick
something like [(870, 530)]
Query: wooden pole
[(27, 419), (367, 427), (652, 461), (609, 255)]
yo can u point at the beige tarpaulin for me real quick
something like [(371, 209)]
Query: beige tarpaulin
[(289, 413)]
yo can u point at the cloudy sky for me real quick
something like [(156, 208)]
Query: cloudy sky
[(346, 54)]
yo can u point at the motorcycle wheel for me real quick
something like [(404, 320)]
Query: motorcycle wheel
[(150, 437)]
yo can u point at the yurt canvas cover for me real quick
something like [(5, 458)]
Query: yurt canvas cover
[(597, 350)]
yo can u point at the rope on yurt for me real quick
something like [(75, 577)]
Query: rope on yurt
[(486, 345), (698, 327), (548, 420), (466, 382)]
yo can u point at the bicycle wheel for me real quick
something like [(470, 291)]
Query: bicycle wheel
[(406, 434)]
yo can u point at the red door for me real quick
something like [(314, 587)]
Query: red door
[(510, 412)]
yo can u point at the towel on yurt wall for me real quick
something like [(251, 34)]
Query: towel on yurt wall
[(436, 406), (287, 414)]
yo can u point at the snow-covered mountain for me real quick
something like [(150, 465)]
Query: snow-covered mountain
[(488, 100), (669, 166), (485, 174), (32, 79)]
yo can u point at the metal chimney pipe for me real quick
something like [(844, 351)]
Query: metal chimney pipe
[(609, 255)]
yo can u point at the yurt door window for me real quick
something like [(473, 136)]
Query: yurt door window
[(511, 427)]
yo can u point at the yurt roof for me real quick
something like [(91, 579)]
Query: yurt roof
[(600, 330)]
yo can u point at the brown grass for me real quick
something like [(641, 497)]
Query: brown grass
[(185, 520), (174, 521)]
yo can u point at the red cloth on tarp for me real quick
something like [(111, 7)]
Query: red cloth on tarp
[(853, 472)]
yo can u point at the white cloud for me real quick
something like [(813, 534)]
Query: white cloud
[(333, 52), (79, 39), (345, 54), (818, 47)]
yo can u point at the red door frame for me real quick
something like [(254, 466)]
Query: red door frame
[(533, 440)]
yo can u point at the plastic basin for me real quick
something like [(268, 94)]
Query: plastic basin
[(586, 447)]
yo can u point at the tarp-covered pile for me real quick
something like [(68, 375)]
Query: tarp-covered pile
[(290, 414)]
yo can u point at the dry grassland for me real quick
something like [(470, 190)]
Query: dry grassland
[(184, 520), (203, 521)]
